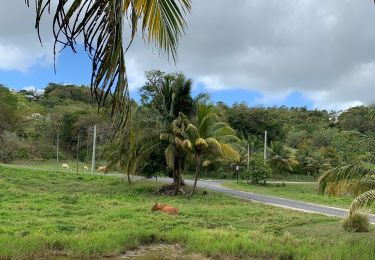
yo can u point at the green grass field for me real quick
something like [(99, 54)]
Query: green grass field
[(298, 191), (44, 214)]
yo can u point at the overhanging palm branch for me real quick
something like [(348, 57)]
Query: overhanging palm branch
[(356, 179), (100, 24)]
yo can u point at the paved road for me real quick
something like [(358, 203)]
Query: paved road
[(215, 185)]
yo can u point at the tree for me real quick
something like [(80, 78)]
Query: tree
[(174, 152), (131, 148), (208, 136), (279, 160), (169, 94), (100, 24), (350, 178), (9, 144), (8, 108), (258, 170)]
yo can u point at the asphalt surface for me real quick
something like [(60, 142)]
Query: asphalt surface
[(215, 185)]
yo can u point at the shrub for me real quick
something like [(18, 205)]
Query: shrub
[(258, 170), (357, 222)]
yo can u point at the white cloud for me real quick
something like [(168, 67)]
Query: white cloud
[(20, 48), (322, 49)]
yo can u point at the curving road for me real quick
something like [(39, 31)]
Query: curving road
[(275, 201)]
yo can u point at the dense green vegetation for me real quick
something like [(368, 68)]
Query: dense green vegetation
[(46, 213), (30, 128), (301, 141)]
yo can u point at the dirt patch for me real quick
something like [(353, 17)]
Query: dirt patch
[(160, 252)]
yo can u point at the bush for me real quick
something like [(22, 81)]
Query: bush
[(357, 222), (258, 170)]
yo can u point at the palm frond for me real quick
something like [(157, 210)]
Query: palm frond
[(191, 132), (200, 144), (343, 176), (365, 199), (163, 22), (170, 155), (100, 25), (229, 152), (225, 130), (187, 146), (206, 122), (228, 139), (214, 145), (167, 137)]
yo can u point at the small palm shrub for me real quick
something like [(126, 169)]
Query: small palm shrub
[(356, 222)]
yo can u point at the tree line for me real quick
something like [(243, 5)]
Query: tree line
[(170, 132)]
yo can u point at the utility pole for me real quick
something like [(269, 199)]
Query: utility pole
[(237, 169), (57, 153), (77, 152), (265, 147), (93, 151), (248, 154)]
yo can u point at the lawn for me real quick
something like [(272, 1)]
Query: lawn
[(44, 213), (297, 191)]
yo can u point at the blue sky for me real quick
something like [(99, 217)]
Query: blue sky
[(75, 68)]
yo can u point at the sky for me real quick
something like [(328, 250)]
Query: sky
[(318, 54)]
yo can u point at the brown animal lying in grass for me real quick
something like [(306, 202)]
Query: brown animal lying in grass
[(165, 208)]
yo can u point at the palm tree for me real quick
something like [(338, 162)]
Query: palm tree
[(279, 159), (356, 179), (134, 144), (169, 94), (100, 24), (209, 136), (174, 153)]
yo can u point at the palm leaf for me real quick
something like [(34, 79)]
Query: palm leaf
[(365, 199), (214, 145), (229, 152), (345, 176), (191, 132), (100, 25), (170, 155)]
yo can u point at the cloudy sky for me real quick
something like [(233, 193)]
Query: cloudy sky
[(276, 52)]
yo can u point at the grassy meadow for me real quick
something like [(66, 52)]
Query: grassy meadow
[(44, 213)]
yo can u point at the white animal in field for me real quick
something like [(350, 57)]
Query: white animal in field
[(85, 168), (103, 169), (65, 166)]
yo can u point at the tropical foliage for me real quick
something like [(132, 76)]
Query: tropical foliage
[(358, 180), (133, 146), (301, 141), (209, 136), (100, 24)]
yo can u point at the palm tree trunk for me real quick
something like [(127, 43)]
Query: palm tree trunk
[(178, 176), (128, 173), (197, 163)]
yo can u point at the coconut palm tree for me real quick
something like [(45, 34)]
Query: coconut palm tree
[(134, 144), (100, 24), (209, 136), (174, 153), (350, 178), (279, 160)]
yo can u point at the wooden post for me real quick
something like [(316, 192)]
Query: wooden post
[(248, 154), (77, 152), (265, 146), (57, 153)]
